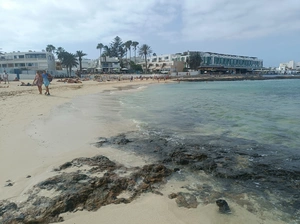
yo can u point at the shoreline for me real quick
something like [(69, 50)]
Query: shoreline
[(215, 77), (23, 155), (20, 154)]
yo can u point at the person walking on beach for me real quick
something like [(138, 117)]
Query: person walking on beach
[(38, 80), (46, 82), (5, 77)]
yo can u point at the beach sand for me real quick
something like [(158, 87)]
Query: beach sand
[(39, 133)]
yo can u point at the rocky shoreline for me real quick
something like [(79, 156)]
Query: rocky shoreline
[(206, 78), (240, 166)]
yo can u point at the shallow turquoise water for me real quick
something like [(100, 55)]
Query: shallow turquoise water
[(264, 111)]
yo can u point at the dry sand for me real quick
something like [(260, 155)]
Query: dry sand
[(32, 143)]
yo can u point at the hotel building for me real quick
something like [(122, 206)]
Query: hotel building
[(209, 62), (27, 62)]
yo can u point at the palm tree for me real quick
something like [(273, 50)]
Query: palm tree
[(80, 54), (134, 45), (107, 52), (59, 51), (128, 45), (144, 51), (124, 47), (69, 60), (100, 47), (50, 48)]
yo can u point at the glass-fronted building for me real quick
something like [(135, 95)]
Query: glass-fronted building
[(230, 61), (209, 62)]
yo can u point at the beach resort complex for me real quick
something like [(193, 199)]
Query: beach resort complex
[(31, 61)]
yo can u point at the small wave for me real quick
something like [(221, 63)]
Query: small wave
[(139, 124), (142, 87)]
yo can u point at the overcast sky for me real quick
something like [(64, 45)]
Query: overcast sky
[(267, 29)]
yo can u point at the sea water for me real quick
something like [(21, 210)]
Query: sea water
[(265, 111)]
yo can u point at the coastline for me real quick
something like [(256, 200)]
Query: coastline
[(23, 105), (215, 77), (23, 155)]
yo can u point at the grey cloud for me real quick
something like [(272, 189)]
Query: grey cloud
[(231, 19), (76, 21)]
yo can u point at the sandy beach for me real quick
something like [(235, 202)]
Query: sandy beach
[(39, 133)]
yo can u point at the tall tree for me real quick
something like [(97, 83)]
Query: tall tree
[(100, 47), (144, 51), (80, 54), (69, 60), (134, 45), (194, 60), (50, 48), (117, 47), (107, 52), (59, 52), (128, 45)]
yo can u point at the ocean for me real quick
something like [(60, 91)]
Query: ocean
[(237, 140), (264, 111)]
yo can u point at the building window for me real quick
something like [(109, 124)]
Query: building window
[(35, 55), (32, 64), (19, 64)]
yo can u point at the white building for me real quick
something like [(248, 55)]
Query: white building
[(209, 60), (166, 62), (289, 67), (27, 63)]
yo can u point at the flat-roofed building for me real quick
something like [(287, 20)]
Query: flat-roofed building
[(289, 67), (230, 62), (209, 62), (27, 62), (165, 63)]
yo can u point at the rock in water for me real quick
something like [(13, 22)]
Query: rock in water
[(223, 206)]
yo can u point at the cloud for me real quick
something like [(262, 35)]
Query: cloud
[(42, 22), (235, 19), (32, 25)]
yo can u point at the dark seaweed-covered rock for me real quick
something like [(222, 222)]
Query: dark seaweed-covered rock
[(223, 206), (87, 189), (240, 165)]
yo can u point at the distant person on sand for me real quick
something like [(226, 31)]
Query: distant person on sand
[(46, 82), (5, 77), (38, 80)]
